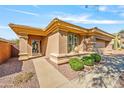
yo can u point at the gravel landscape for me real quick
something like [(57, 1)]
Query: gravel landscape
[(12, 71)]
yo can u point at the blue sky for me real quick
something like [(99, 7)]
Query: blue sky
[(108, 18)]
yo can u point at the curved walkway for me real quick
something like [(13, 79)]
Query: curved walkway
[(48, 76)]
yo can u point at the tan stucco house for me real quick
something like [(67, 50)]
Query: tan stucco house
[(59, 40)]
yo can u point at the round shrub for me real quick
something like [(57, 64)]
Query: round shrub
[(76, 64), (88, 60), (96, 57)]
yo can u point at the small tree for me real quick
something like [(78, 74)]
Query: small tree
[(122, 31), (15, 41)]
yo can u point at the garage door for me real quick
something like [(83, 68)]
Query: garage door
[(100, 43)]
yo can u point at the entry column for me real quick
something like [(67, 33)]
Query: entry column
[(23, 47), (91, 43)]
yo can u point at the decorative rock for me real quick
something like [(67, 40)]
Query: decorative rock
[(105, 68), (121, 79)]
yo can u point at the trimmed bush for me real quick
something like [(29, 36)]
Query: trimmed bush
[(76, 64), (88, 60), (96, 57)]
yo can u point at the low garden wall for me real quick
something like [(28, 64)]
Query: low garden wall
[(64, 58), (7, 50)]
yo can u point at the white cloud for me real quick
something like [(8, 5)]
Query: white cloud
[(115, 9), (75, 18), (92, 21), (85, 19), (121, 14), (88, 21), (102, 8), (24, 12), (121, 6), (4, 27), (36, 6), (70, 17)]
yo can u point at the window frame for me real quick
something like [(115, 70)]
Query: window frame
[(72, 41)]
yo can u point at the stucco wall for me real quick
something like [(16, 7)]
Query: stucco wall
[(14, 50), (52, 43), (5, 51), (56, 42), (49, 44), (44, 45), (63, 42)]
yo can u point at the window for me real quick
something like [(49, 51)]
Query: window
[(73, 41)]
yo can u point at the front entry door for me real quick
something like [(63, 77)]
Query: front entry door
[(36, 47)]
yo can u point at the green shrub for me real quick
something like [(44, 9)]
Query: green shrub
[(76, 64), (96, 57), (88, 60)]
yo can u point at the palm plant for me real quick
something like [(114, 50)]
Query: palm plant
[(117, 43)]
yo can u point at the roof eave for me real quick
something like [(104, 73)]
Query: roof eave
[(21, 29)]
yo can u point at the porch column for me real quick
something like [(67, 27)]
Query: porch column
[(23, 47), (91, 43)]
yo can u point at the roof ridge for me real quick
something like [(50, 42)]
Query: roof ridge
[(71, 23), (102, 30)]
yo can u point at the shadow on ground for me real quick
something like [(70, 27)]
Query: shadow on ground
[(11, 66)]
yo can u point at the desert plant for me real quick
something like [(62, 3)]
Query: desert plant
[(96, 57), (122, 31), (15, 41), (76, 64), (117, 43), (88, 60), (23, 77)]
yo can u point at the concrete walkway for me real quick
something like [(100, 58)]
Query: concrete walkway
[(48, 76)]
